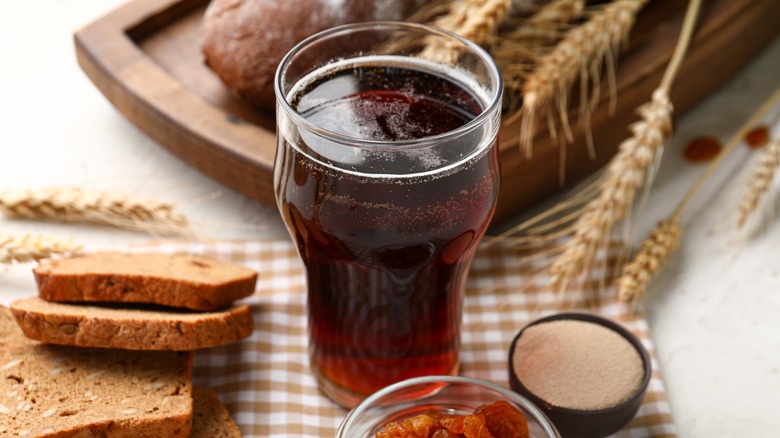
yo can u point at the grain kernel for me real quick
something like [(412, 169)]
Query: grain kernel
[(12, 364), (69, 329)]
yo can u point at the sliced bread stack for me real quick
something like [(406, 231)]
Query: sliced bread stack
[(138, 302), (112, 304)]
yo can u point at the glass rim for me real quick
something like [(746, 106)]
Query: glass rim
[(355, 142), (539, 415)]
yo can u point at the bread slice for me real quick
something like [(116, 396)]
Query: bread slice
[(49, 391), (185, 281), (210, 419), (130, 328), (10, 338)]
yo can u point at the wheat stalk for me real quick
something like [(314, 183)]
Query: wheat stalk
[(650, 258), (31, 247), (475, 20), (77, 205), (446, 14), (548, 24), (581, 52), (483, 19), (547, 227), (626, 172), (647, 263), (518, 50), (760, 180)]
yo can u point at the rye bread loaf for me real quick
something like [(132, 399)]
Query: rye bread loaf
[(130, 328), (185, 281), (49, 391), (210, 419), (243, 41)]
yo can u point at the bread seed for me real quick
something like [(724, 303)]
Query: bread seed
[(56, 371), (4, 409), (128, 411), (12, 364), (96, 374), (69, 329), (24, 432), (49, 413), (154, 386)]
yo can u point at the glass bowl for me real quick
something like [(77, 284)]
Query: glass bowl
[(445, 394)]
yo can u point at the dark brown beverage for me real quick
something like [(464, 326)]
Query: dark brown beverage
[(386, 251)]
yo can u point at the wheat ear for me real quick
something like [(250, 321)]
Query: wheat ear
[(577, 54), (664, 240), (517, 51), (481, 24), (760, 180), (626, 172), (475, 20), (31, 247), (76, 205), (650, 258)]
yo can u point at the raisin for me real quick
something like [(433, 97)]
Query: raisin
[(444, 433), (414, 427), (452, 423), (504, 420), (474, 427)]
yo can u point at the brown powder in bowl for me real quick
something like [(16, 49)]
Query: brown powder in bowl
[(577, 364)]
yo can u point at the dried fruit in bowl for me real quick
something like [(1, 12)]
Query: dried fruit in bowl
[(495, 420)]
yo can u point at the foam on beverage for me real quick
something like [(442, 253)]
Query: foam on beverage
[(407, 99)]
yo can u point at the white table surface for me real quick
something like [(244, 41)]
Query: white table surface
[(714, 312)]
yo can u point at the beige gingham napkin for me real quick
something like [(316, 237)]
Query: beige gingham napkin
[(265, 381)]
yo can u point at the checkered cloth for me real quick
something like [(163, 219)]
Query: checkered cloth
[(265, 380)]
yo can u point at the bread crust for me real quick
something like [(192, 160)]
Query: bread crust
[(183, 281), (129, 328), (243, 41)]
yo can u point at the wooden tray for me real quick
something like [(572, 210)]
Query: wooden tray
[(145, 57)]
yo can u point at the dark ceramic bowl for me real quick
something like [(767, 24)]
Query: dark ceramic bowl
[(574, 423)]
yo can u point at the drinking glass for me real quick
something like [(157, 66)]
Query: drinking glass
[(386, 176)]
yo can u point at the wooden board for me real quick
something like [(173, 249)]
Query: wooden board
[(145, 58)]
